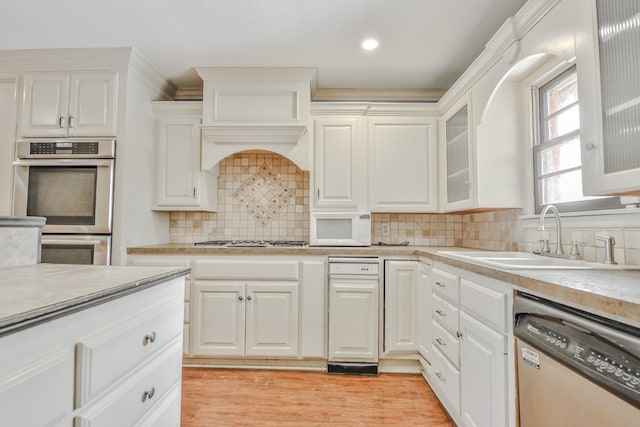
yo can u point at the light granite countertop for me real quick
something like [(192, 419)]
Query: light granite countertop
[(32, 294), (611, 293)]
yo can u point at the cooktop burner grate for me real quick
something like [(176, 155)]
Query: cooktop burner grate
[(252, 243)]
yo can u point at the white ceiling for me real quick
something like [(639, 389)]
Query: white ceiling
[(424, 44)]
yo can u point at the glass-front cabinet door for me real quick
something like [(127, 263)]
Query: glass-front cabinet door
[(456, 159), (608, 59)]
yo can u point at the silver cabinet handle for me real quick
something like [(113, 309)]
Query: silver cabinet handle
[(442, 285), (148, 394), (442, 343), (71, 122), (459, 334), (441, 313), (60, 122), (440, 376), (240, 298), (249, 298), (149, 338)]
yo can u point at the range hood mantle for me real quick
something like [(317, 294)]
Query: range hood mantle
[(259, 108)]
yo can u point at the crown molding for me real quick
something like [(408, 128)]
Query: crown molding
[(150, 75), (510, 33), (377, 95)]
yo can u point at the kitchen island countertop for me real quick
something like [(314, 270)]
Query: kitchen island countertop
[(611, 293), (32, 294)]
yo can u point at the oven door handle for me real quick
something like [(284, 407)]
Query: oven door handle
[(64, 162), (73, 242)]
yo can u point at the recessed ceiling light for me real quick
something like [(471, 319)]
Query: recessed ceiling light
[(370, 44)]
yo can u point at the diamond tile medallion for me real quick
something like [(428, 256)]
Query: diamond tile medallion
[(263, 195)]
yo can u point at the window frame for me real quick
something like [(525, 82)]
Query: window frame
[(542, 142)]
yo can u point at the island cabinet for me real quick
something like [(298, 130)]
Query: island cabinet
[(115, 363), (468, 364), (61, 104)]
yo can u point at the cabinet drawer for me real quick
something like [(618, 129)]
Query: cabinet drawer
[(446, 379), (106, 357), (133, 399), (246, 270), (446, 314), (448, 344), (485, 304), (445, 284)]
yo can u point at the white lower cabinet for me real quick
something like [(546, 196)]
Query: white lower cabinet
[(45, 381), (118, 363), (258, 307), (483, 369), (424, 304), (468, 366), (245, 318), (401, 305)]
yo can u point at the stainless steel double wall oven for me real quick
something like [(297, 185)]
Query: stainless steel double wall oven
[(70, 182)]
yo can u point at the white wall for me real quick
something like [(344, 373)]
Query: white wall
[(8, 115)]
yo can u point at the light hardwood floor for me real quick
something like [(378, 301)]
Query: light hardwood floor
[(225, 397)]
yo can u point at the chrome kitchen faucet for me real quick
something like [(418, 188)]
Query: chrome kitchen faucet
[(559, 252)]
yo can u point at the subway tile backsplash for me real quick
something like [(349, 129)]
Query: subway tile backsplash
[(265, 196)]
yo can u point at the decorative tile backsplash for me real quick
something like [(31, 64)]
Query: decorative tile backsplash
[(418, 229), (261, 195), (265, 196)]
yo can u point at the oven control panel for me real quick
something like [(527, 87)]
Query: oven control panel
[(96, 148)]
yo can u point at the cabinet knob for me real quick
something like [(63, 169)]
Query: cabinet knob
[(240, 298), (149, 338), (148, 394), (590, 146), (249, 298), (459, 334)]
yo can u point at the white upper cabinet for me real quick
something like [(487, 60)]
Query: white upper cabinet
[(69, 104), (340, 164), (180, 184), (402, 164), (609, 92)]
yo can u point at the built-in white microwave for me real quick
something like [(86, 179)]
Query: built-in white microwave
[(340, 229)]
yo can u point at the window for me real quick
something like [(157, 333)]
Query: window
[(557, 159)]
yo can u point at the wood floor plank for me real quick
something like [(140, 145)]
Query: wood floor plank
[(245, 397)]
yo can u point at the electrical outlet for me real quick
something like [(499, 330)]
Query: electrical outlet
[(208, 226), (385, 228)]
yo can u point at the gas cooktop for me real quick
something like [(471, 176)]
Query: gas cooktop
[(253, 243)]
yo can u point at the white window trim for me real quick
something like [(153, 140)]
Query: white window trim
[(606, 218)]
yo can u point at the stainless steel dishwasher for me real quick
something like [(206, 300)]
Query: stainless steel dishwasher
[(354, 292), (575, 368)]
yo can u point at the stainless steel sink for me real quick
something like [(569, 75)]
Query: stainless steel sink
[(524, 260)]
